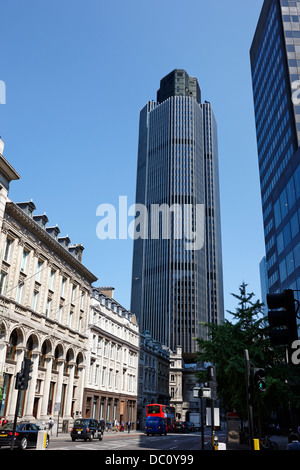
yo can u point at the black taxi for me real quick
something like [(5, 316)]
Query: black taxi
[(87, 429)]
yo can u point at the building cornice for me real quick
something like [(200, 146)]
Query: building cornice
[(13, 210), (7, 170)]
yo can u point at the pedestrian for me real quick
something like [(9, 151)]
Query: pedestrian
[(294, 444), (128, 425), (116, 426), (4, 421), (102, 425), (50, 425)]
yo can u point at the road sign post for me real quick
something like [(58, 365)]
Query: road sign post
[(249, 404)]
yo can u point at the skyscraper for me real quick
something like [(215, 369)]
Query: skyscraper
[(275, 67), (177, 284)]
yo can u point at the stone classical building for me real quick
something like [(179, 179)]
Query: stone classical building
[(112, 362), (153, 381), (182, 383), (44, 302)]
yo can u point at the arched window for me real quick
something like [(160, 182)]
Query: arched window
[(79, 360), (13, 342), (58, 354), (69, 358), (29, 347), (46, 349)]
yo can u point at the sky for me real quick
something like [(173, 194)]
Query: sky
[(77, 74)]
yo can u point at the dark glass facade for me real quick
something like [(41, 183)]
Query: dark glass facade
[(172, 287), (275, 57)]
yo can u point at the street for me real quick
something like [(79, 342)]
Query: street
[(132, 441)]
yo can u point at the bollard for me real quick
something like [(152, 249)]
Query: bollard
[(41, 440), (222, 446), (256, 444)]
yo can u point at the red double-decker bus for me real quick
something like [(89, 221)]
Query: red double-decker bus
[(163, 411)]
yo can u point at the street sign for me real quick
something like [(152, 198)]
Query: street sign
[(216, 416), (201, 392), (205, 392)]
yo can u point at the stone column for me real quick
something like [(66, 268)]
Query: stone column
[(13, 393), (30, 393), (59, 384), (72, 366), (44, 410), (80, 389)]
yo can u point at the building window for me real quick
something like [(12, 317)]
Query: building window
[(24, 260), (38, 273), (48, 308), (70, 319), (109, 378), (35, 300), (60, 314), (81, 301), (103, 376), (63, 283), (19, 292), (73, 294), (51, 279), (96, 374), (2, 283), (7, 249)]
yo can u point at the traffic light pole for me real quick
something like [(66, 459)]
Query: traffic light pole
[(22, 379), (249, 405), (15, 419), (212, 413)]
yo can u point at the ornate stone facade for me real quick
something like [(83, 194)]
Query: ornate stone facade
[(112, 362), (44, 303)]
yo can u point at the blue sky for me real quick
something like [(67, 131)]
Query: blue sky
[(77, 74)]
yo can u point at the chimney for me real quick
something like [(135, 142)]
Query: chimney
[(1, 146), (80, 249), (108, 291)]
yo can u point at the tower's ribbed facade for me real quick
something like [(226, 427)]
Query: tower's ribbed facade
[(177, 284)]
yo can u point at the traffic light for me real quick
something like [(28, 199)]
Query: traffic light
[(283, 323), (20, 381), (27, 371), (259, 379), (212, 381), (23, 377), (211, 373)]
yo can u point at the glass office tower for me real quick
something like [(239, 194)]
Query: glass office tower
[(174, 288), (275, 66)]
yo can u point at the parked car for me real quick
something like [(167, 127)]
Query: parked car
[(155, 425), (180, 426), (87, 429), (25, 436), (190, 426)]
